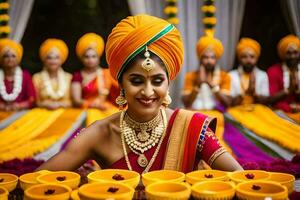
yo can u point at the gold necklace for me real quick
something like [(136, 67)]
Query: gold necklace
[(142, 160), (137, 134)]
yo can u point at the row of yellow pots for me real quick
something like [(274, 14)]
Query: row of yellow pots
[(121, 183)]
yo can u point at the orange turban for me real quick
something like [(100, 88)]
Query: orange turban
[(90, 40), (52, 43), (248, 43), (285, 42), (133, 34), (6, 44), (208, 42)]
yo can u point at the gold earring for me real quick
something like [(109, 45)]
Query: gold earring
[(167, 100), (121, 100)]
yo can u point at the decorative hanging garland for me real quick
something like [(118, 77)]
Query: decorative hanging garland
[(171, 11), (4, 18), (209, 19)]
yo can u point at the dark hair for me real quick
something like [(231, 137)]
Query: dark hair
[(141, 56)]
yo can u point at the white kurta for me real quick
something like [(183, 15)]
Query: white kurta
[(261, 83)]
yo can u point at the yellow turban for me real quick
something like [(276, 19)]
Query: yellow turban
[(133, 34), (208, 42), (285, 42), (52, 43), (6, 44), (90, 40), (248, 43)]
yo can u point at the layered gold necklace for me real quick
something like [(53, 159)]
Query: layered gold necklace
[(141, 137)]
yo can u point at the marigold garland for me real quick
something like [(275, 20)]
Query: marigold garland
[(209, 20), (171, 11), (4, 18)]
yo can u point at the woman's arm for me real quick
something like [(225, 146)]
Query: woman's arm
[(77, 152), (76, 94), (226, 162), (215, 155)]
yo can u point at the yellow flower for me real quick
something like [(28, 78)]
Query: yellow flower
[(4, 17), (170, 9), (174, 20), (4, 5), (209, 20), (4, 29), (172, 1), (211, 9)]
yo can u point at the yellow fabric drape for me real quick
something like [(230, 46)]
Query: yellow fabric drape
[(265, 123), (36, 131), (4, 115), (95, 114), (294, 116)]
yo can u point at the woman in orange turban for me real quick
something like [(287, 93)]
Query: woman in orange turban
[(91, 85), (16, 88), (144, 53), (52, 84)]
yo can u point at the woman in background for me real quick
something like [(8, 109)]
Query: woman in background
[(91, 86), (16, 88), (52, 84)]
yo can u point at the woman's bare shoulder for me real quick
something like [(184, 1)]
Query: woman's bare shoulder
[(102, 128)]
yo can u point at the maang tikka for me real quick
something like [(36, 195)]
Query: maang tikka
[(148, 64)]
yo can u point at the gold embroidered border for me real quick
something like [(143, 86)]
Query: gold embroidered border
[(215, 155)]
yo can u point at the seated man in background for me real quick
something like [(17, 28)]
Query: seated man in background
[(285, 77), (249, 84), (208, 85)]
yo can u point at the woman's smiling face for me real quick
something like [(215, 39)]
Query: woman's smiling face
[(144, 90)]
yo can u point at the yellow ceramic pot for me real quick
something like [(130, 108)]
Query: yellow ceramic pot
[(28, 180), (130, 178), (74, 195), (213, 190), (70, 179), (106, 190), (3, 193), (259, 190), (248, 175), (287, 180), (162, 175), (47, 192), (168, 191), (203, 175), (8, 181)]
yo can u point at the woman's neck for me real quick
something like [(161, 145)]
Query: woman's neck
[(10, 71), (90, 70), (52, 73), (141, 118)]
